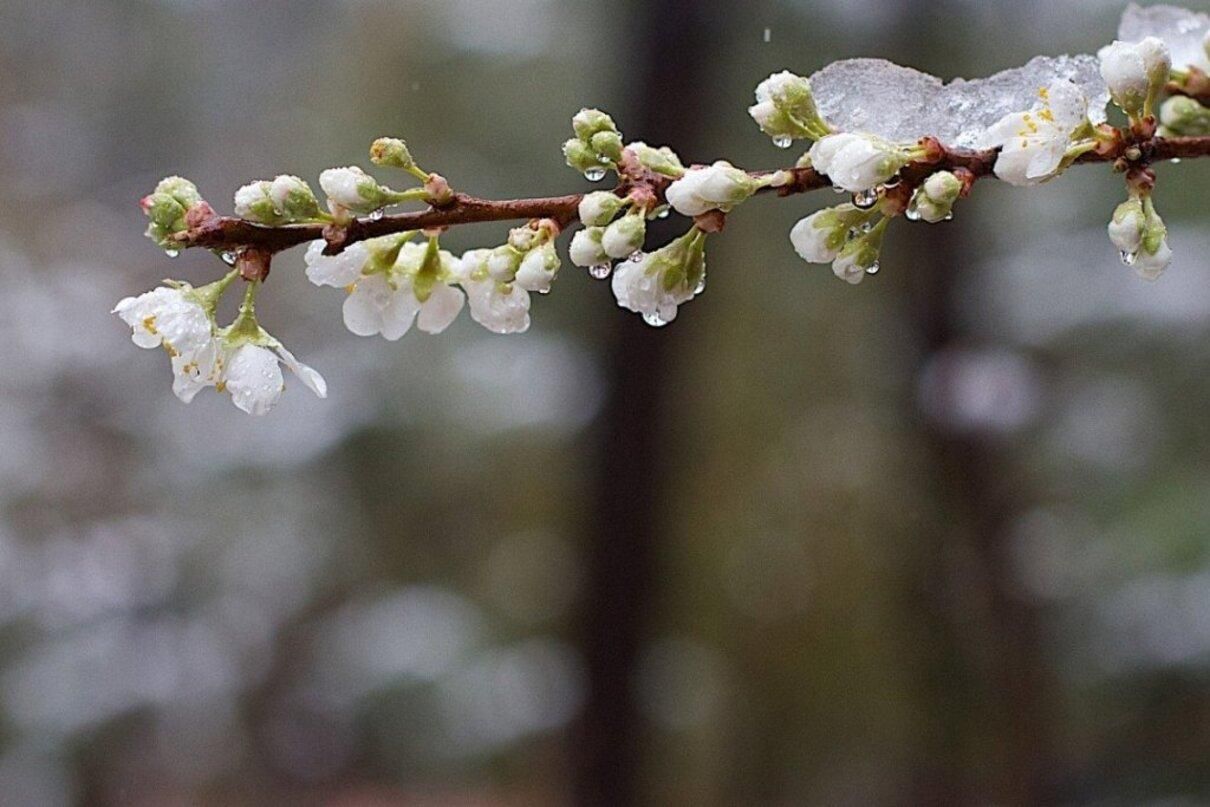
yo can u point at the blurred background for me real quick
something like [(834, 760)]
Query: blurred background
[(937, 539)]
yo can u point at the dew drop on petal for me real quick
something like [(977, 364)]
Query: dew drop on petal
[(1128, 258), (865, 199), (600, 271), (637, 255), (594, 174), (663, 213), (783, 141), (655, 320), (949, 216), (228, 258), (912, 214), (873, 268), (172, 253)]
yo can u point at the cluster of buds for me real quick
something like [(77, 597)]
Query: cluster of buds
[(597, 146), (283, 200), (785, 110), (170, 208), (1138, 232)]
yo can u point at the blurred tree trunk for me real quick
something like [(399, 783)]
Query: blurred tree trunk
[(987, 672), (667, 44)]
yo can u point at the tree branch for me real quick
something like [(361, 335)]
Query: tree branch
[(225, 233)]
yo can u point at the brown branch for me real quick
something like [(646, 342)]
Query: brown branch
[(227, 233)]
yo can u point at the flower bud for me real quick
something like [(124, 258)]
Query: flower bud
[(538, 269), (580, 156), (607, 145), (624, 237), (934, 200), (856, 162), (1127, 226), (785, 109), (163, 210), (716, 187), (586, 249), (391, 151), (353, 189), (663, 161), (1184, 116), (1135, 72), (599, 208), (502, 263), (293, 198), (180, 189), (253, 202), (589, 122)]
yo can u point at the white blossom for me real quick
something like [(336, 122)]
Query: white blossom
[(168, 317), (338, 270), (416, 289), (849, 269), (498, 306), (252, 375), (716, 187), (856, 162), (1035, 143), (1135, 72), (353, 190)]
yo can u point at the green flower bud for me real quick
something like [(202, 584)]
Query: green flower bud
[(293, 198), (608, 145), (588, 122), (662, 161), (180, 189), (599, 208), (625, 236), (163, 210), (580, 156), (1184, 116), (391, 151)]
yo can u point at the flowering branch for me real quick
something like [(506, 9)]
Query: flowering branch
[(230, 233), (1024, 126)]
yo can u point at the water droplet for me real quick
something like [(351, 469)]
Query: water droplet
[(701, 286), (636, 256), (866, 199), (783, 141), (655, 320), (949, 216), (838, 190), (663, 213), (893, 182), (1175, 161), (912, 213), (594, 174), (1128, 258), (600, 271), (873, 268), (376, 215), (172, 253), (228, 258)]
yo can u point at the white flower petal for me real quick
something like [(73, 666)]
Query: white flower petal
[(440, 309), (254, 379)]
